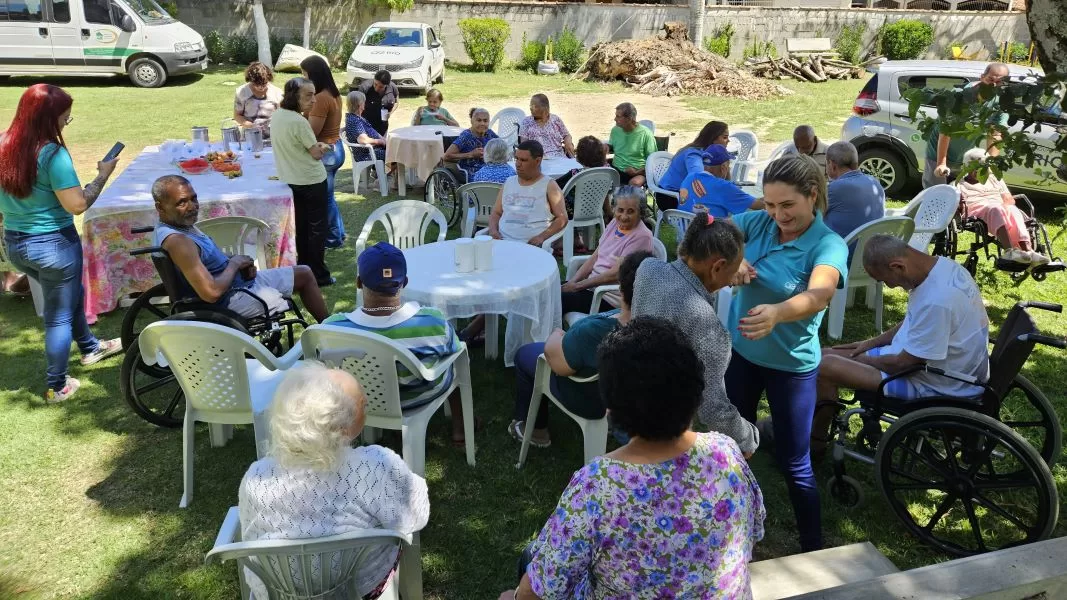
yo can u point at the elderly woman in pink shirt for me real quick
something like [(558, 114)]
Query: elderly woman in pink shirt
[(625, 234)]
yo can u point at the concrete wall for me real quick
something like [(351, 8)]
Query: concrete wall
[(284, 18)]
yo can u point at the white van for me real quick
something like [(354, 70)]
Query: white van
[(97, 37), (411, 52)]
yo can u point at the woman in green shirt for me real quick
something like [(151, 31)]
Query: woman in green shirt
[(433, 113)]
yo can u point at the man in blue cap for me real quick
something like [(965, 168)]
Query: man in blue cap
[(712, 189), (422, 330)]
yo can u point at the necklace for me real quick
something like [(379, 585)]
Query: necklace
[(380, 308)]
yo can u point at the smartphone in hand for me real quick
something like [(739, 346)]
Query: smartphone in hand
[(114, 152)]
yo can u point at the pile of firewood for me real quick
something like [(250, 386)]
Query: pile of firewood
[(814, 68)]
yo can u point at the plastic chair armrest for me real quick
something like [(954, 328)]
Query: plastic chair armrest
[(229, 532), (442, 366), (293, 356), (547, 244), (575, 264), (598, 296)]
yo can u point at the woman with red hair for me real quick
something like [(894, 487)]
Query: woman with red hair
[(39, 193)]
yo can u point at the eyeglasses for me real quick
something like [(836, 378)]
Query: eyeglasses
[(68, 120)]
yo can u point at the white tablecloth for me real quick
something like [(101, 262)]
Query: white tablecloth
[(523, 284), (419, 147), (555, 167)]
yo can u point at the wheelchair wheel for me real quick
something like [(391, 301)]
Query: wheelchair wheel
[(1030, 414), (845, 490), (152, 392), (964, 482), (149, 307), (441, 189)]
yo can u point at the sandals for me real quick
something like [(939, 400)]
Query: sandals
[(516, 429), (461, 442)]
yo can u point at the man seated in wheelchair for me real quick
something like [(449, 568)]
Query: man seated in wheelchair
[(204, 271), (423, 330), (945, 326)]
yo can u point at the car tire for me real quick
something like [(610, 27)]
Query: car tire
[(441, 77), (429, 82), (146, 72), (887, 167)]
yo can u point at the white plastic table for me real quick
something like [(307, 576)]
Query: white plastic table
[(556, 167), (523, 284), (418, 147)]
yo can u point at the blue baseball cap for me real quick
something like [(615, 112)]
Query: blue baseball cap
[(382, 268), (715, 155)]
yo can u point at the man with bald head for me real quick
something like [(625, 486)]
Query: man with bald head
[(944, 154), (206, 272), (806, 142)]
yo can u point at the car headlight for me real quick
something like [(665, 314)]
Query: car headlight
[(183, 47), (413, 64)]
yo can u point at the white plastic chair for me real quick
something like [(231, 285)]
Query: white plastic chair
[(680, 219), (372, 359), (656, 165), (292, 569), (779, 152), (406, 224), (594, 431), (648, 123), (746, 145), (900, 227), (220, 385), (658, 251), (36, 292), (590, 187), (506, 124), (936, 207), (239, 235), (482, 195), (359, 166)]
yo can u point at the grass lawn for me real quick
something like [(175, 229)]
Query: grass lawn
[(89, 505)]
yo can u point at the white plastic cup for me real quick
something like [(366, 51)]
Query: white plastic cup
[(464, 255), (483, 253), (385, 114)]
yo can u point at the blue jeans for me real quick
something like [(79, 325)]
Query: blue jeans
[(336, 237), (54, 260), (792, 400)]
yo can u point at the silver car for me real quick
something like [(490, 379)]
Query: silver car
[(890, 145)]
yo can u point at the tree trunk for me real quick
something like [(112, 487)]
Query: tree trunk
[(696, 22), (1048, 30), (262, 33), (307, 23)]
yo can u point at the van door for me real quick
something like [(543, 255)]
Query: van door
[(1053, 125), (104, 44), (66, 37), (25, 39)]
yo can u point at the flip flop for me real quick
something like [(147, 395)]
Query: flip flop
[(461, 442)]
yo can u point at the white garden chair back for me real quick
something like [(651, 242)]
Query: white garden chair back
[(746, 145), (656, 165), (293, 569), (406, 224), (680, 219), (482, 195), (239, 235), (900, 227), (937, 205), (6, 266), (358, 167), (220, 385), (782, 149), (648, 123), (373, 359), (506, 124), (590, 187)]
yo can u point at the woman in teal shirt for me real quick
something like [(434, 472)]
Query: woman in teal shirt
[(793, 264), (39, 193)]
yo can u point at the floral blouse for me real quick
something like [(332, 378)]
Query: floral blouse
[(467, 142), (550, 135), (494, 173), (680, 528)]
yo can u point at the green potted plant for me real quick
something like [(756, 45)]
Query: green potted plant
[(548, 66)]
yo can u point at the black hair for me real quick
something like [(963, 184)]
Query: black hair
[(650, 379), (590, 152), (383, 77), (704, 240), (707, 136), (291, 93), (533, 147), (319, 73), (628, 273)]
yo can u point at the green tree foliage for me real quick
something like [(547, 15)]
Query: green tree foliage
[(719, 42), (849, 43)]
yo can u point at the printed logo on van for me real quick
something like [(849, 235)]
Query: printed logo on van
[(105, 37)]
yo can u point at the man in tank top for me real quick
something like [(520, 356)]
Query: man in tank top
[(529, 208)]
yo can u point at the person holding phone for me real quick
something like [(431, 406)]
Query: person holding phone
[(39, 196), (433, 113)]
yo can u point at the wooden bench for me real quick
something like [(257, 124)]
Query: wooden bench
[(808, 46)]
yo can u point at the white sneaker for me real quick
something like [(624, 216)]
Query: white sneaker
[(1017, 256), (1037, 259), (69, 387)]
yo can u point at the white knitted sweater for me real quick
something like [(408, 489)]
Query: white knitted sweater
[(371, 488)]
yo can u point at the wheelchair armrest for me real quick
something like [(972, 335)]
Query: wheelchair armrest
[(266, 309), (1043, 339), (923, 367), (1056, 308), (147, 229), (1024, 203), (152, 250)]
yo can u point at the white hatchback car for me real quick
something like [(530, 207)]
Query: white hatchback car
[(411, 52)]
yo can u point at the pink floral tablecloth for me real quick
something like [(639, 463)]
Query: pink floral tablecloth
[(110, 273)]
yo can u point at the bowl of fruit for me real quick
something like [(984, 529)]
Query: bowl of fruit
[(194, 166)]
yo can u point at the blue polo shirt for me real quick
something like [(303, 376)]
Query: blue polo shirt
[(783, 271), (721, 198)]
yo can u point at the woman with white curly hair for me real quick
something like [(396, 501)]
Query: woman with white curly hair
[(314, 484), (496, 169)]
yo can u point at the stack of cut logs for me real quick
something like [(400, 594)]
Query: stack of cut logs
[(815, 68)]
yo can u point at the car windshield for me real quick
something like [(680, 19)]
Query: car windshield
[(150, 12), (402, 37)]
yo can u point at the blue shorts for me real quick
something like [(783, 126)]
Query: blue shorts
[(902, 388)]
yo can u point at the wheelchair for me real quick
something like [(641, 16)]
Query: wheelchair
[(948, 245), (965, 475), (441, 186), (152, 391)]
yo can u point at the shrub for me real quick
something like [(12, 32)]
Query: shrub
[(1018, 52), (322, 48), (241, 50), (906, 39), (569, 51), (171, 7), (216, 47), (850, 43), (759, 49), (348, 44), (719, 42), (532, 52), (277, 42), (484, 40)]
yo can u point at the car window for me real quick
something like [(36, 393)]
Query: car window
[(61, 11), (97, 11), (400, 37), (21, 10), (934, 82), (433, 35)]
